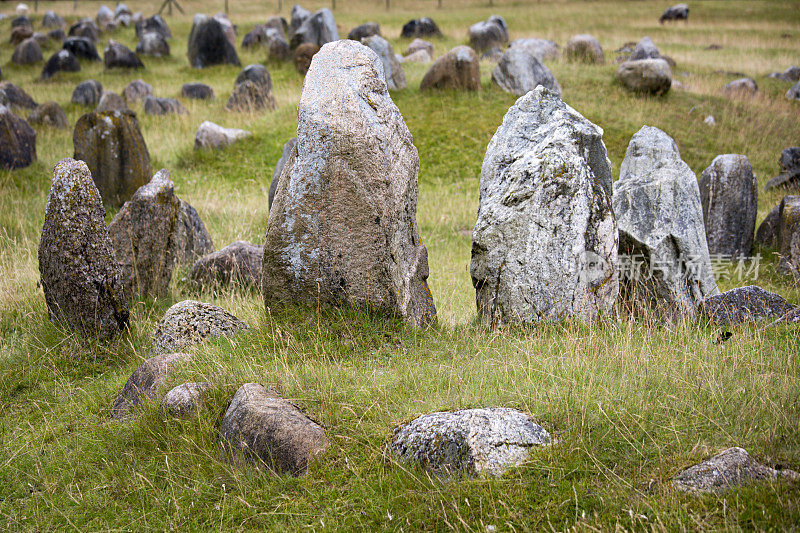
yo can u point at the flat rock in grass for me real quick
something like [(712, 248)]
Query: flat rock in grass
[(488, 34), (276, 174), (457, 69), (110, 102), (788, 236), (584, 48), (117, 55), (729, 196), (248, 97), (256, 73), (185, 399), (645, 49), (82, 48), (342, 228), (49, 114), (484, 442), (676, 12), (197, 91), (17, 141), (519, 71), (648, 76), (789, 176), (730, 469), (744, 304), (154, 24), (136, 91), (419, 44), (87, 93), (543, 49), (741, 87), (213, 136), (319, 28), (61, 61), (27, 52), (265, 427), (794, 92), (421, 27), (163, 106), (81, 279), (392, 69), (17, 97), (368, 29), (114, 149), (303, 56), (188, 323), (661, 231), (191, 236), (52, 20), (143, 234), (238, 263), (145, 382), (208, 44), (85, 28), (767, 232), (153, 44), (544, 246)]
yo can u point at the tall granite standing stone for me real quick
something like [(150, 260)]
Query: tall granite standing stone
[(208, 44), (276, 174), (80, 277), (342, 228), (17, 141), (545, 243)]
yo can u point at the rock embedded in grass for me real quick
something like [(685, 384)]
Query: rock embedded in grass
[(213, 136), (82, 48), (85, 28), (258, 74), (111, 102), (17, 141), (197, 91), (208, 45), (189, 322), (163, 106), (584, 48), (262, 426), (49, 114), (342, 228), (80, 276), (645, 49), (789, 163), (457, 69), (544, 245), (767, 232), (421, 27), (649, 76), (730, 469), (488, 34), (52, 20), (790, 74), (392, 69), (276, 174), (249, 97), (741, 88), (191, 236), (676, 12), (418, 44), (184, 400), (238, 264), (87, 93), (794, 92), (518, 72), (319, 29), (145, 382), (117, 55), (154, 24), (16, 96), (153, 44), (484, 442), (744, 304), (27, 52), (19, 34), (61, 61)]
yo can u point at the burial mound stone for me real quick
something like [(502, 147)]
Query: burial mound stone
[(731, 468), (61, 61), (651, 76), (163, 106), (197, 91), (191, 236), (743, 304), (136, 91), (543, 49), (82, 48), (87, 93), (788, 236), (27, 52), (676, 12), (318, 29), (248, 97), (16, 97), (789, 163), (185, 399), (368, 29), (49, 114), (422, 27), (117, 55), (584, 48), (488, 34), (741, 87), (111, 102), (303, 56), (153, 44)]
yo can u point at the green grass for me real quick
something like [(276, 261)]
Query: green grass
[(631, 402)]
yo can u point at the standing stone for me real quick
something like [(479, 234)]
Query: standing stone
[(650, 76), (16, 97), (767, 232), (277, 44), (136, 91), (457, 69), (197, 91), (368, 29), (238, 263), (114, 150), (342, 228), (145, 382), (17, 141), (87, 93), (298, 17), (729, 194), (19, 34), (395, 75), (545, 243), (730, 469), (57, 35), (85, 28), (789, 163), (27, 52), (645, 49), (488, 34), (520, 72), (61, 61), (208, 44), (154, 24), (422, 27), (117, 55), (191, 236), (52, 20), (153, 44), (188, 323), (163, 106), (227, 27), (210, 135), (318, 29), (105, 17), (661, 230), (788, 236), (49, 114), (80, 276), (790, 74), (143, 234), (276, 174), (82, 48), (585, 49), (256, 73), (543, 49)]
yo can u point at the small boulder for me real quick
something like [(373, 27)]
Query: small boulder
[(17, 141), (153, 44), (57, 35), (422, 27), (256, 73), (794, 92), (197, 91), (105, 17), (212, 136), (789, 164), (520, 72), (87, 93), (792, 317), (285, 154), (191, 236), (49, 114), (392, 69), (249, 97), (368, 29), (584, 48), (744, 304), (788, 236), (85, 28), (208, 45), (136, 91), (649, 76), (488, 34), (189, 322), (61, 61), (298, 17), (457, 69), (238, 263), (767, 232), (185, 399), (110, 102), (319, 29), (790, 74), (741, 87), (420, 56), (154, 24), (52, 20), (82, 48), (543, 49), (117, 55), (27, 52), (16, 96), (731, 468), (645, 49), (145, 383), (418, 44), (19, 34), (676, 12), (163, 106), (303, 56)]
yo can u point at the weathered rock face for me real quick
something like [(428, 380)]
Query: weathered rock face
[(117, 55), (16, 97), (61, 61), (52, 20), (185, 399), (208, 44), (111, 102), (210, 135), (584, 48), (197, 91), (792, 317), (457, 69), (163, 106), (249, 97), (789, 176), (661, 231), (423, 27), (276, 174), (676, 12), (741, 87), (143, 234), (192, 236), (545, 243), (145, 382), (729, 469), (651, 76), (137, 90), (238, 263), (418, 44), (342, 228), (788, 236), (303, 56), (395, 75), (266, 427), (485, 441), (363, 31), (114, 150), (154, 24), (17, 141), (27, 52), (80, 276), (767, 232), (256, 73), (82, 48), (87, 93), (49, 114), (729, 195), (153, 44), (318, 29), (189, 322), (744, 304), (520, 72), (488, 34), (543, 49)]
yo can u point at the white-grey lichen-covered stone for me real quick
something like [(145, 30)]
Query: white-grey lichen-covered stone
[(145, 382), (543, 49), (343, 228), (744, 304), (185, 399), (731, 468), (519, 72), (661, 230), (285, 154), (189, 322), (650, 76), (485, 441), (545, 243), (794, 92), (213, 136), (729, 195), (392, 69)]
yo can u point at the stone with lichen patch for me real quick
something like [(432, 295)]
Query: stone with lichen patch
[(731, 468), (183, 401), (190, 322), (239, 263), (145, 382), (743, 304), (49, 114)]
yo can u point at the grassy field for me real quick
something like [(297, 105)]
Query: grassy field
[(631, 403)]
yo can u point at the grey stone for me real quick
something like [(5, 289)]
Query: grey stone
[(256, 73), (729, 195), (319, 29), (188, 323), (154, 24), (185, 399), (584, 48), (741, 87), (792, 317), (87, 93), (136, 91), (16, 97), (421, 27), (651, 76), (58, 35), (49, 114), (794, 92), (298, 17), (488, 34), (418, 44), (153, 44), (660, 219), (520, 72), (208, 44), (285, 154), (788, 236), (744, 304), (61, 61), (191, 236), (111, 102), (484, 441), (789, 176), (277, 44), (197, 91), (227, 27), (249, 97), (163, 106), (767, 233), (117, 55), (85, 28), (104, 16), (368, 29), (342, 228), (238, 263), (676, 12), (790, 74), (52, 20), (145, 383), (212, 136), (392, 69), (82, 48), (544, 245), (303, 56), (645, 49), (17, 141), (543, 49), (27, 52), (732, 468), (420, 56), (457, 69), (80, 277), (262, 426)]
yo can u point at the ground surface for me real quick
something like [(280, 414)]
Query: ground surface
[(630, 403)]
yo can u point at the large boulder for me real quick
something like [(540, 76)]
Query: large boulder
[(789, 175), (488, 34), (484, 441), (117, 55), (368, 29), (285, 154), (249, 97), (61, 61), (197, 91), (136, 91), (16, 97), (584, 48), (661, 230), (543, 49), (544, 246), (154, 24), (27, 52), (208, 44), (676, 12), (82, 48), (87, 93), (153, 44), (188, 323), (191, 236), (319, 29), (264, 427), (145, 383), (728, 470), (213, 136), (650, 76), (729, 195), (238, 263), (114, 150), (80, 277), (17, 141), (143, 233), (342, 228), (49, 114), (392, 69), (422, 27), (788, 236), (163, 106), (519, 72), (457, 69), (744, 304)]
